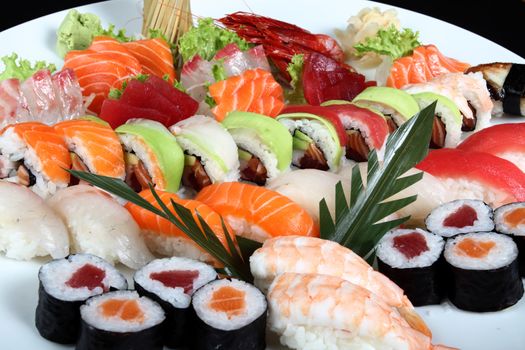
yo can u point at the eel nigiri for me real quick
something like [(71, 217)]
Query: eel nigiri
[(476, 175), (94, 147), (313, 255), (312, 311), (164, 238), (29, 227), (34, 155), (506, 141), (256, 212), (154, 55)]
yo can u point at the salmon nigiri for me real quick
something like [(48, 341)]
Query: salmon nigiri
[(255, 90), (34, 155), (154, 55), (256, 212), (94, 147), (165, 238)]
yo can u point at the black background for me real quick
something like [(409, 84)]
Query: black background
[(501, 21)]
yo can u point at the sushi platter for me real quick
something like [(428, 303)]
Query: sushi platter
[(275, 175)]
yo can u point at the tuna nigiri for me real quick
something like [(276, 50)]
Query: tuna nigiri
[(256, 212), (155, 57), (165, 238)]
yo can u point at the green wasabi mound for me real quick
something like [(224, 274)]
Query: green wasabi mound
[(76, 31)]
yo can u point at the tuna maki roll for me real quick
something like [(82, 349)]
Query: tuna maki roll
[(412, 260), (120, 320), (230, 314), (64, 285), (171, 282), (510, 220), (484, 268), (460, 216)]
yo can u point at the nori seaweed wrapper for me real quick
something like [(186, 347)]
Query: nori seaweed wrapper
[(520, 242), (422, 285), (57, 320), (250, 337), (92, 338), (485, 290), (514, 89), (176, 326)]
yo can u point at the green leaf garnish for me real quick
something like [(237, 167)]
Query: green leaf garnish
[(357, 223), (234, 261), (119, 35), (391, 42), (21, 69), (295, 95)]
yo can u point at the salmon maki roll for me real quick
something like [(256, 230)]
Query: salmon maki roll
[(257, 213), (34, 155), (94, 147)]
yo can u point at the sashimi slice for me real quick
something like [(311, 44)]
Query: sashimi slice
[(253, 211), (12, 103), (116, 51), (476, 175), (69, 94), (399, 73), (194, 76), (154, 55), (39, 94), (116, 113), (187, 105)]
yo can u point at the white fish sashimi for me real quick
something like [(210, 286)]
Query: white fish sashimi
[(98, 225), (28, 227)]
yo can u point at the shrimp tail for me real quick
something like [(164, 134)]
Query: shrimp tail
[(414, 320)]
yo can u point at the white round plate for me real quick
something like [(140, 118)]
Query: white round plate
[(35, 40)]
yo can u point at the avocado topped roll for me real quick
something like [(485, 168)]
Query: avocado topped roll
[(210, 153), (152, 155), (265, 146)]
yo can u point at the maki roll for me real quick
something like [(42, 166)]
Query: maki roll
[(460, 216), (152, 155), (506, 85), (229, 314), (318, 137), (396, 105), (446, 130), (210, 153), (34, 155), (120, 320), (510, 220), (64, 285), (171, 282), (265, 146), (412, 260), (485, 274)]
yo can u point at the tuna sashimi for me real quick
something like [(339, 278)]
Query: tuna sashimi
[(187, 105), (506, 141), (326, 79), (116, 113), (476, 175), (154, 55), (253, 211)]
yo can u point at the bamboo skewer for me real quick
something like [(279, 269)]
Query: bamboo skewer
[(171, 17)]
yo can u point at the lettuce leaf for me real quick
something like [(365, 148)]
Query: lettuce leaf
[(295, 95), (119, 35), (206, 39), (22, 69), (391, 42)]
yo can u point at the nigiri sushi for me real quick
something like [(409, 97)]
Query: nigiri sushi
[(318, 312), (210, 152), (93, 146), (34, 155), (476, 175), (152, 155), (256, 212), (506, 141), (29, 227), (264, 145), (166, 239), (313, 255), (98, 225)]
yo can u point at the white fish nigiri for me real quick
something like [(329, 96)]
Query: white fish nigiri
[(98, 225), (315, 312), (28, 227)]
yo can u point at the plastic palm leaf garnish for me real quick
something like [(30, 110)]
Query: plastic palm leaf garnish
[(359, 222), (234, 257)]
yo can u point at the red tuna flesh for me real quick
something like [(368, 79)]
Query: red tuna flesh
[(463, 217), (497, 139), (187, 105), (411, 244), (88, 276), (116, 113), (176, 278)]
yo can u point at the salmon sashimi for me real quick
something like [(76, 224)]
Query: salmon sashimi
[(255, 90), (125, 309), (425, 63), (116, 51), (155, 57), (96, 144), (256, 212), (167, 239)]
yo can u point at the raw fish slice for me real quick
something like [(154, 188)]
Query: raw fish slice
[(116, 113), (96, 144), (98, 225), (476, 175), (39, 93), (69, 94), (13, 107), (187, 105), (194, 76), (155, 57), (117, 52), (235, 61), (399, 73), (420, 66), (253, 211), (29, 227)]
